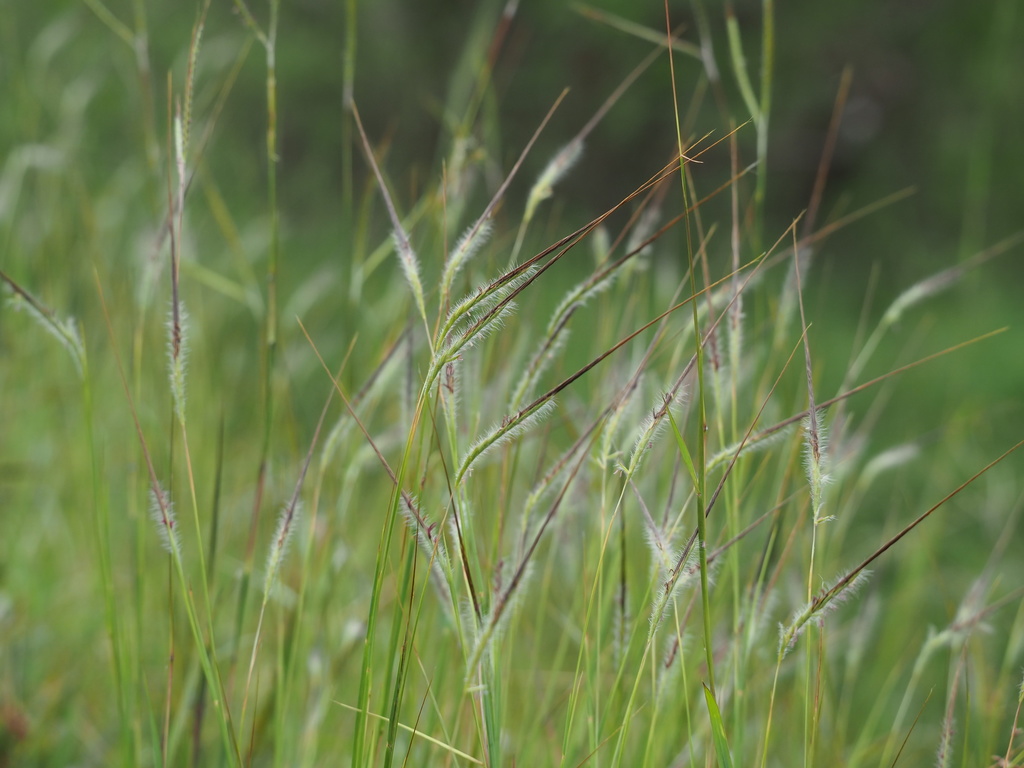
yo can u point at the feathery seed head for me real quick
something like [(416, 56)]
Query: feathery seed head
[(816, 611), (816, 464), (554, 171), (510, 428), (286, 523), (177, 357), (64, 331), (467, 247), (161, 511)]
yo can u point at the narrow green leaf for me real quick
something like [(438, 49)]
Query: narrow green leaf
[(718, 730), (739, 65), (683, 450)]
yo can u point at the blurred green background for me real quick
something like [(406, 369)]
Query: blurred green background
[(935, 105)]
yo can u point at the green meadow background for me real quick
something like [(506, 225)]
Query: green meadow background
[(111, 651)]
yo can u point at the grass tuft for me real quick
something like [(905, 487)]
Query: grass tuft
[(486, 552)]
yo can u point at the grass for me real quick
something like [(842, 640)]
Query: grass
[(491, 488)]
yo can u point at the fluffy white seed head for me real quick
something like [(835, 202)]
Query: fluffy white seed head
[(177, 357), (813, 612), (64, 331), (509, 429), (816, 464), (467, 247), (286, 523), (553, 172), (161, 511)]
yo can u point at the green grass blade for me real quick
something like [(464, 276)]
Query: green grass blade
[(684, 452), (718, 730)]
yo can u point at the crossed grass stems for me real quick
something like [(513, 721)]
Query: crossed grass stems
[(482, 313)]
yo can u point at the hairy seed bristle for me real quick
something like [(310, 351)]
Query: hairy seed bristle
[(286, 523), (177, 357), (161, 511), (817, 612)]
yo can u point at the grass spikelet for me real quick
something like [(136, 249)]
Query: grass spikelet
[(410, 267), (406, 256), (542, 358), (817, 610), (600, 244), (179, 153), (161, 512), (814, 449), (428, 534), (543, 488), (452, 388), (564, 160), (640, 242), (624, 403), (474, 319), (509, 429), (177, 357), (942, 754), (648, 431), (190, 76), (482, 324), (924, 289), (64, 331), (335, 439), (945, 742), (471, 241), (887, 460), (177, 339), (683, 575), (461, 323), (969, 617), (663, 556), (579, 296), (815, 463), (553, 172), (755, 444), (286, 523)]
